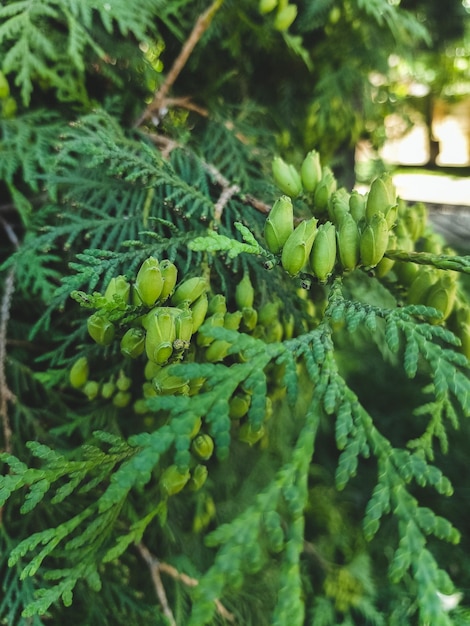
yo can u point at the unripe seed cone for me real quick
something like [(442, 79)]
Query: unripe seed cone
[(216, 320), (5, 87), (217, 304), (325, 188), (244, 292), (189, 290), (199, 310), (347, 238), (248, 435), (123, 382), (100, 329), (107, 389), (217, 351), (310, 171), (422, 283), (374, 240), (357, 206), (405, 271), (441, 296), (239, 405), (297, 248), (169, 275), (232, 320), (323, 253), (122, 399), (266, 6), (133, 342), (338, 205), (249, 318), (202, 447), (381, 196), (386, 264), (161, 333), (91, 389), (286, 177), (269, 312), (463, 333), (149, 281), (279, 224), (198, 477), (118, 286), (79, 372), (172, 481), (184, 327), (285, 17), (167, 384)]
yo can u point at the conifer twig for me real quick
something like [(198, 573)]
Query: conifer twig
[(6, 395), (167, 145), (202, 24), (156, 567)]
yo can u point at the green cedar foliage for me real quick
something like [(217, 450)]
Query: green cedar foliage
[(252, 444)]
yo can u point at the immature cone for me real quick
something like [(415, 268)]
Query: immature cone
[(297, 248), (184, 328), (323, 254), (79, 372), (169, 275), (161, 333), (202, 447), (217, 304), (166, 384), (198, 477), (133, 342), (285, 17), (118, 286), (386, 264), (373, 241), (279, 224), (441, 296), (244, 292), (266, 6), (323, 191), (425, 278), (338, 205), (100, 329), (4, 87), (310, 171), (357, 206), (189, 290), (382, 195), (199, 310), (347, 236), (149, 281), (286, 177), (172, 480)]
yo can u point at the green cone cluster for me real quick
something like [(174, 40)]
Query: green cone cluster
[(285, 13), (155, 321), (345, 230)]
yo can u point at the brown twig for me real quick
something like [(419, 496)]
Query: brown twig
[(201, 25), (156, 567), (167, 145), (6, 395)]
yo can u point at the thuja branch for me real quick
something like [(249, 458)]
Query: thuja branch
[(202, 24), (443, 262)]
